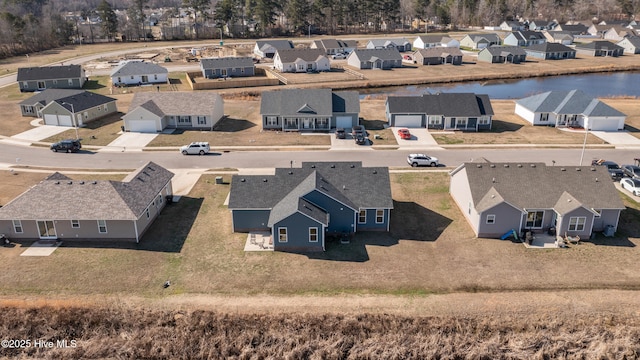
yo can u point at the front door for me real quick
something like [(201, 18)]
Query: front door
[(46, 229), (306, 123), (145, 79)]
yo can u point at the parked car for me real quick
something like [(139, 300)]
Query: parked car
[(360, 139), (422, 160), (404, 134), (199, 148), (340, 133), (68, 145), (631, 171), (613, 168), (633, 185), (339, 56), (358, 129)]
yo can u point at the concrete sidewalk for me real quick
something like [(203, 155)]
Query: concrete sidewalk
[(129, 141)]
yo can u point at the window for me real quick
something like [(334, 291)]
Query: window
[(469, 209), (301, 67), (131, 77), (292, 123), (119, 79), (155, 77), (491, 219), (75, 224), (282, 235), (272, 120), (102, 226), (379, 216), (576, 223), (461, 121), (313, 234), (544, 117), (202, 120), (159, 199), (322, 122), (435, 120), (484, 120), (147, 213), (184, 119), (70, 82), (17, 226), (99, 108), (534, 219), (362, 217)]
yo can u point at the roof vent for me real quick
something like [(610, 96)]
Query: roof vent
[(519, 165), (493, 180), (333, 166), (352, 166), (533, 165), (69, 182), (577, 169), (506, 165), (94, 182), (596, 179), (81, 182), (243, 180), (313, 166), (264, 180), (493, 196), (479, 166), (593, 169), (57, 182), (290, 172), (375, 171), (563, 169), (344, 187), (493, 165)]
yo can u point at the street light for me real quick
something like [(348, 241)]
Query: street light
[(220, 36), (584, 144), (75, 121), (309, 31)]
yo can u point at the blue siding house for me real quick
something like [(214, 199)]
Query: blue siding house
[(301, 207)]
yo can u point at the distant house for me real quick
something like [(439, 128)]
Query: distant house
[(559, 37), (456, 111), (309, 109), (139, 73), (503, 54), (600, 48), (268, 48), (438, 55), (300, 207), (598, 30), (617, 33), (574, 201), (524, 38), (631, 45), (399, 44), (88, 210), (227, 67), (375, 58), (51, 77), (513, 25), (301, 60), (550, 51), (480, 41), (333, 46), (152, 112), (569, 109), (539, 25), (573, 29), (431, 41)]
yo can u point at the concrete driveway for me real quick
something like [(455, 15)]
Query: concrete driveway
[(620, 139), (36, 134), (348, 143), (420, 139), (129, 141)]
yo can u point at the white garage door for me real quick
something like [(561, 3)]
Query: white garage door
[(64, 120), (604, 124), (144, 126), (344, 122), (410, 121), (50, 119)]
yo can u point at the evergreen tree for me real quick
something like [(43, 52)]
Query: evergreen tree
[(109, 19)]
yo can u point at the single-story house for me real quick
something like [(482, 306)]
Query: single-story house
[(631, 45), (399, 44), (430, 41), (575, 201), (559, 37), (213, 68), (77, 109), (152, 112), (34, 104), (538, 25), (301, 60), (438, 55), (569, 108), (138, 73), (600, 48), (309, 109), (598, 30), (51, 77), (573, 29), (88, 210), (268, 48), (300, 207), (480, 41), (617, 33), (334, 46), (503, 54), (550, 51), (513, 25), (375, 58), (524, 38), (448, 111)]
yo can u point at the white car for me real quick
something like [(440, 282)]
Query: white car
[(339, 56), (422, 160), (633, 185), (199, 148)]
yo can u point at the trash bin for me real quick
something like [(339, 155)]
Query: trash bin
[(221, 43), (609, 231), (122, 128), (219, 180)]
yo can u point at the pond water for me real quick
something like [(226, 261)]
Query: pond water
[(597, 85)]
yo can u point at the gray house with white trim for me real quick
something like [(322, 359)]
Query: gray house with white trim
[(524, 38), (301, 60), (302, 207), (480, 40), (631, 45), (600, 48), (496, 198), (88, 210), (375, 59), (268, 48), (51, 77), (213, 68), (78, 109), (136, 72), (34, 104), (550, 51), (503, 54), (399, 44), (309, 109), (448, 111), (334, 46)]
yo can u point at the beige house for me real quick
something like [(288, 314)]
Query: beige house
[(59, 208)]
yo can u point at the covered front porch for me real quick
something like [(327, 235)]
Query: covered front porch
[(306, 123)]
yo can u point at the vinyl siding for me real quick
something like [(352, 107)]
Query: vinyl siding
[(298, 234), (506, 218), (370, 224), (250, 220), (341, 217)]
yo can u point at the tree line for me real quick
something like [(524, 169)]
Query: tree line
[(34, 25)]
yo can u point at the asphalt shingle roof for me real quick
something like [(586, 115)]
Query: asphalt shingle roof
[(138, 68), (599, 45), (322, 102), (439, 52), (227, 62), (446, 104), (49, 72), (276, 44), (386, 42), (503, 50), (494, 38), (83, 101), (177, 103), (373, 54), (308, 55), (567, 102), (49, 95), (548, 47)]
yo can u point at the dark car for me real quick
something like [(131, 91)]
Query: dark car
[(340, 133), (358, 129), (631, 171), (360, 139), (68, 145), (613, 168)]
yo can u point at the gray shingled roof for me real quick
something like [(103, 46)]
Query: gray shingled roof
[(177, 102), (49, 95), (446, 104), (537, 186), (430, 39), (548, 47), (83, 101), (138, 68), (373, 54), (334, 44), (526, 35), (293, 202), (634, 40), (226, 62), (347, 182), (345, 102), (49, 72), (503, 50), (599, 45), (439, 52), (60, 198), (276, 44), (567, 102), (290, 102), (577, 29), (308, 55), (490, 37), (386, 42)]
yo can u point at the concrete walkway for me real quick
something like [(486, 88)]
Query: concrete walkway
[(619, 139), (42, 248)]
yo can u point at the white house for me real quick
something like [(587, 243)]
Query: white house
[(138, 73), (569, 109), (430, 41), (301, 60)]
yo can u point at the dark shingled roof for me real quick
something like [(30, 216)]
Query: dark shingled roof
[(227, 62), (291, 55), (439, 52), (49, 72), (58, 197), (549, 47), (446, 104), (373, 54), (83, 101), (599, 45), (489, 37), (348, 182), (503, 50), (49, 95), (537, 186), (177, 102), (276, 44), (138, 68), (322, 102), (525, 35)]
